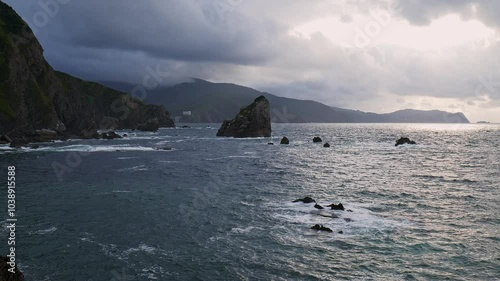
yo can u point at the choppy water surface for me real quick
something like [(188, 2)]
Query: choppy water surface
[(220, 208)]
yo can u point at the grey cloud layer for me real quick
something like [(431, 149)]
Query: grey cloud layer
[(248, 42)]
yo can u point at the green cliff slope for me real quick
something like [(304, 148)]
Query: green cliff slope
[(33, 96)]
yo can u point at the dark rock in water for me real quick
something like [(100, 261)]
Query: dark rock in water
[(252, 121), (318, 206), (320, 227), (151, 125), (306, 200), (348, 219), (163, 148), (18, 144), (317, 139), (285, 140), (35, 147), (350, 211), (5, 274), (185, 127), (270, 143), (402, 141), (337, 207), (326, 145), (125, 135), (110, 135), (341, 232)]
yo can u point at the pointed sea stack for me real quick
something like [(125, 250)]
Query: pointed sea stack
[(252, 121)]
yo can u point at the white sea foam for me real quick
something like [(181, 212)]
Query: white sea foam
[(135, 168), (242, 230), (43, 231), (126, 158), (94, 148), (141, 248), (360, 220), (5, 147), (246, 203), (152, 271), (242, 156), (163, 142)]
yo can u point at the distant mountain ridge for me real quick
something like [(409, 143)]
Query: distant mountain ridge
[(215, 102)]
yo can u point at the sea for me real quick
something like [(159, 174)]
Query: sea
[(183, 204)]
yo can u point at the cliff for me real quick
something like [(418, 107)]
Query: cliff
[(252, 121), (33, 96)]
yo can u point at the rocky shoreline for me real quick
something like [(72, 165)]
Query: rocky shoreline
[(31, 138)]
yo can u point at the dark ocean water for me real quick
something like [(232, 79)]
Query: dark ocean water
[(220, 208)]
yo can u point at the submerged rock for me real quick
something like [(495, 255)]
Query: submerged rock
[(317, 139), (326, 145), (318, 206), (402, 141), (285, 140), (18, 144), (252, 121), (320, 227), (306, 200), (337, 207), (110, 135), (270, 143)]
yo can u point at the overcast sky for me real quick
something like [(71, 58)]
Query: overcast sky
[(374, 55)]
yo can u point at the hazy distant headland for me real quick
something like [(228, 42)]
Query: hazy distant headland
[(206, 102)]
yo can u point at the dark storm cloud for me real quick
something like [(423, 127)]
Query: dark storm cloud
[(182, 30), (423, 12), (253, 43), (168, 30)]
